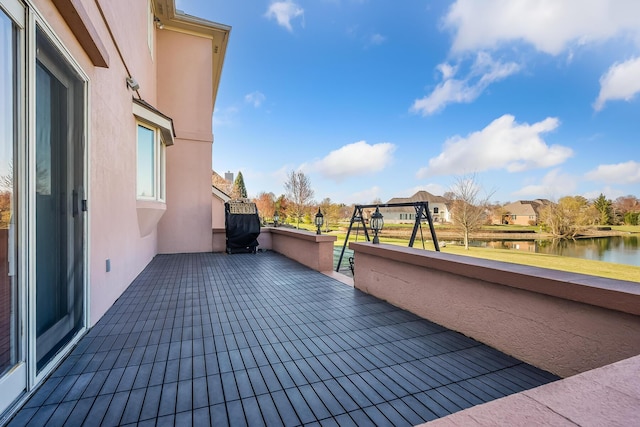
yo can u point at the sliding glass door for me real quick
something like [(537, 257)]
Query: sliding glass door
[(42, 211), (59, 174), (12, 354)]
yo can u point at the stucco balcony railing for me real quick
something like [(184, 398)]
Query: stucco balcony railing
[(582, 327), (310, 249)]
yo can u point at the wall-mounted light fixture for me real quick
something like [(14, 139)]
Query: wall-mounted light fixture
[(132, 83), (319, 221), (376, 222), (159, 24)]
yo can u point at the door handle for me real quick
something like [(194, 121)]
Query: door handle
[(74, 203)]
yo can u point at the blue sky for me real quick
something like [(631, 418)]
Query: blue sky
[(379, 99)]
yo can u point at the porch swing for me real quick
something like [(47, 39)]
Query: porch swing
[(422, 213)]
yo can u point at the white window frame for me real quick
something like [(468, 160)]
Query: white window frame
[(159, 163), (150, 118)]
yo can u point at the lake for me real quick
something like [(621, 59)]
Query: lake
[(617, 249)]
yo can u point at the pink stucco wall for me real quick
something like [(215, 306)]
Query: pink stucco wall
[(307, 248), (565, 323), (177, 79), (217, 212), (314, 251), (184, 74), (111, 193)]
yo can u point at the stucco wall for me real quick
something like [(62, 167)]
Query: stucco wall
[(217, 212), (183, 90), (314, 251), (111, 192), (184, 75), (561, 322)]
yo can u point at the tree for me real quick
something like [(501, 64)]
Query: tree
[(623, 209), (603, 205), (569, 217), (299, 192), (332, 212), (469, 209), (266, 204), (282, 207), (238, 186)]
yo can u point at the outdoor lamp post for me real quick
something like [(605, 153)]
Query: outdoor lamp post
[(377, 222), (319, 220), (275, 219)]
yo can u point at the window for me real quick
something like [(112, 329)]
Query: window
[(435, 210), (151, 163), (154, 132)]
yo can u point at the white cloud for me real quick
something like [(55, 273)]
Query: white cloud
[(225, 116), (610, 193), (620, 82), (283, 12), (377, 39), (255, 98), (484, 71), (551, 26), (620, 173), (354, 159), (503, 144), (365, 196), (552, 186)]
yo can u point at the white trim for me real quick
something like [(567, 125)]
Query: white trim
[(37, 20), (151, 118), (15, 10), (219, 194), (159, 163), (14, 382)]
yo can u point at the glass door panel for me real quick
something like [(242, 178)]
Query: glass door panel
[(12, 365), (59, 217)]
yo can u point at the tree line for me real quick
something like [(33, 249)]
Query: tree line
[(469, 206), (572, 215)]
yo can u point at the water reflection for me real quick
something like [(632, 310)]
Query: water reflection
[(617, 249)]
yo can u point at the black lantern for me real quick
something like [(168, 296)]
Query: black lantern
[(275, 219), (319, 221), (376, 222)]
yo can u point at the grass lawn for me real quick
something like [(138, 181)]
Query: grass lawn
[(554, 262)]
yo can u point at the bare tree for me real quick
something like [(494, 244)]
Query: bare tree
[(299, 192), (469, 207)]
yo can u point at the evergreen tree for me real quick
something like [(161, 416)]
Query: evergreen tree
[(603, 205), (238, 185)]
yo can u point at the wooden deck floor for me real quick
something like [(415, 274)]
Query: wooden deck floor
[(201, 339)]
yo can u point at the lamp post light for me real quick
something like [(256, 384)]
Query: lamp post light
[(319, 221), (377, 222), (275, 219)]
